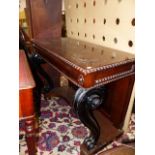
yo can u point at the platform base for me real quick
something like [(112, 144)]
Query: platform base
[(108, 134)]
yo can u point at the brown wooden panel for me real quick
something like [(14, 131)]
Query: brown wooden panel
[(45, 18), (26, 85), (20, 111), (26, 102), (117, 99), (25, 76)]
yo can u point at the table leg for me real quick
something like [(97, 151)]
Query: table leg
[(85, 102), (30, 135)]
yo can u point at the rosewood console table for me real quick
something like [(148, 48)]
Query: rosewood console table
[(91, 68), (104, 76)]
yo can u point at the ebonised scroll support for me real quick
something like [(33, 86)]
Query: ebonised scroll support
[(37, 61), (85, 101)]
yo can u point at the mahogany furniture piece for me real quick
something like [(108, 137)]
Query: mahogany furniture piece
[(104, 76), (91, 68), (26, 105), (36, 64), (44, 18)]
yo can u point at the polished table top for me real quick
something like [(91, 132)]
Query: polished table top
[(85, 64)]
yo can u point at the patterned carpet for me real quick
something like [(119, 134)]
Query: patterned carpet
[(60, 132)]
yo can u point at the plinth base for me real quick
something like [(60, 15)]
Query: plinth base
[(108, 134)]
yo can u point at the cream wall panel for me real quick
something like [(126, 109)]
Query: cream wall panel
[(85, 21), (22, 5)]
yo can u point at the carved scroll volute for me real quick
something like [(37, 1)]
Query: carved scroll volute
[(85, 102)]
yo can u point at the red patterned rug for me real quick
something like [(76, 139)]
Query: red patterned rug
[(60, 132)]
